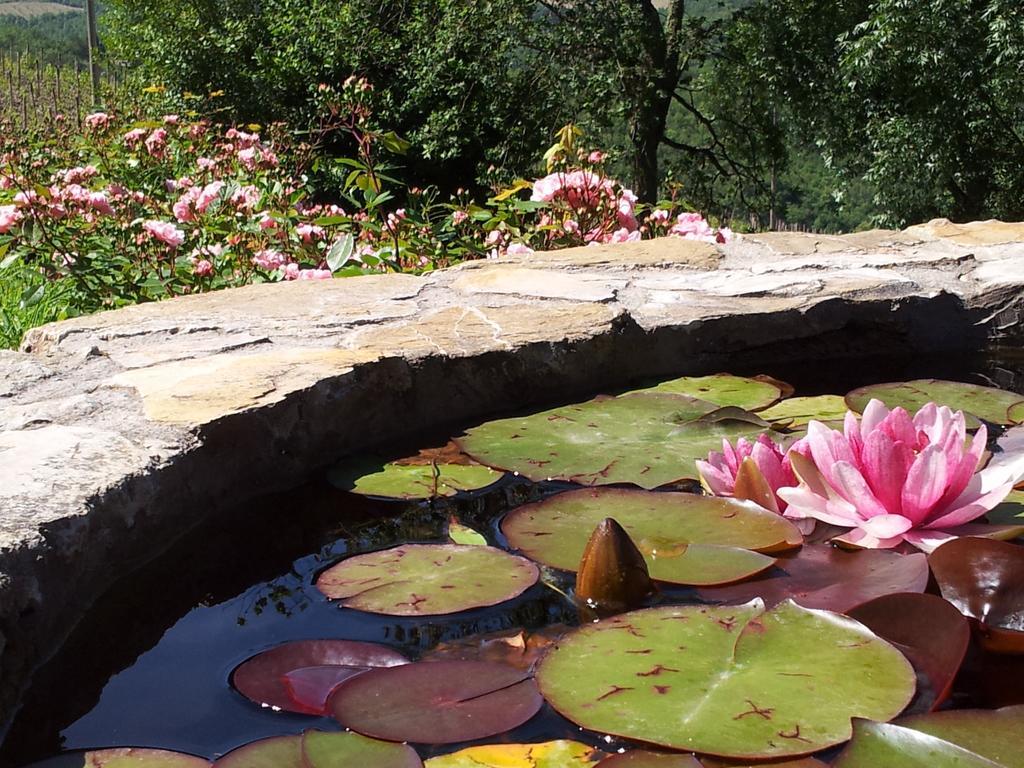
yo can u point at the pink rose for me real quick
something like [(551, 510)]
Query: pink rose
[(165, 232), (9, 218), (269, 259), (202, 268)]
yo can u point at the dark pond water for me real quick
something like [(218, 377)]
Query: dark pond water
[(150, 664)]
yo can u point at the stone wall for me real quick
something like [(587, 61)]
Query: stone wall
[(120, 431)]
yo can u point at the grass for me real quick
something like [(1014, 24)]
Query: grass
[(23, 305), (31, 9)]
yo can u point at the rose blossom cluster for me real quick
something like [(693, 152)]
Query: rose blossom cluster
[(585, 202)]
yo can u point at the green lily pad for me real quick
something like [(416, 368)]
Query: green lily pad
[(956, 739), (797, 412), (646, 439), (684, 538), (343, 750), (733, 681), (428, 579), (1008, 512), (316, 749), (373, 477), (723, 389), (986, 403), (550, 754), (642, 758)]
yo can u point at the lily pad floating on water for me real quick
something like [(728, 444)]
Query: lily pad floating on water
[(428, 579), (684, 538), (724, 389), (642, 758), (821, 576), (125, 757), (440, 702), (736, 682), (930, 632), (646, 439), (316, 749), (1008, 512), (954, 739), (797, 412), (298, 676), (994, 405), (374, 477), (550, 754), (984, 579)]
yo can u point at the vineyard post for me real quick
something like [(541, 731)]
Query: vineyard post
[(94, 50)]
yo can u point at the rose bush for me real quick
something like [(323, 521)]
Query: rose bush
[(135, 210)]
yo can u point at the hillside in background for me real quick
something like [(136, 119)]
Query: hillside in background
[(31, 9), (51, 31)]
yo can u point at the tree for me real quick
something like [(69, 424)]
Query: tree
[(634, 60), (451, 76), (920, 99)]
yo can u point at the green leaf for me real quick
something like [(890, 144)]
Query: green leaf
[(732, 681), (953, 739), (994, 405), (371, 476), (341, 251), (684, 538), (647, 439), (428, 579)]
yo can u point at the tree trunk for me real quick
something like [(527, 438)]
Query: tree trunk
[(659, 76)]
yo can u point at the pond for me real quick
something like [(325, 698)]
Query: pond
[(151, 665)]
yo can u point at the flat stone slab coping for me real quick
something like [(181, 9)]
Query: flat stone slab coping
[(122, 430)]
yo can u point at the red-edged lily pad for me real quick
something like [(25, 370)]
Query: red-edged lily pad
[(428, 579), (316, 749), (646, 439), (956, 739), (549, 754), (309, 668), (984, 579), (736, 682), (441, 702), (684, 538), (821, 576), (929, 631)]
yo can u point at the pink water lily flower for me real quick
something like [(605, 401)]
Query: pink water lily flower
[(891, 478), (754, 471)]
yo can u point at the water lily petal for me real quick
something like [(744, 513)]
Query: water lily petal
[(874, 414), (926, 482), (927, 540), (827, 447), (852, 486), (715, 477), (885, 464), (864, 540), (886, 526), (803, 503), (770, 464), (960, 475), (965, 513)]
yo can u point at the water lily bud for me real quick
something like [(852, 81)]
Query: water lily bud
[(612, 576)]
